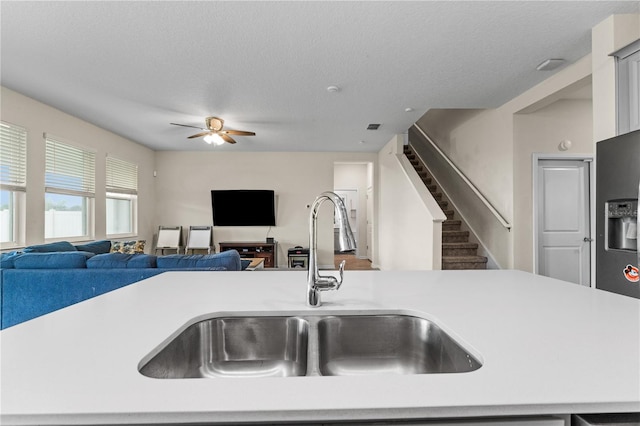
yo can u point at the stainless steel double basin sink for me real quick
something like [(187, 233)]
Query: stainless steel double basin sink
[(308, 345)]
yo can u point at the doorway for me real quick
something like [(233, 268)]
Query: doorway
[(563, 225), (353, 181)]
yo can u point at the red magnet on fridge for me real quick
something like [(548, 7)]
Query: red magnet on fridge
[(631, 274)]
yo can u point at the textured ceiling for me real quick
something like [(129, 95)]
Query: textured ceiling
[(134, 67)]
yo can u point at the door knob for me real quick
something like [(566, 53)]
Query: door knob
[(587, 239)]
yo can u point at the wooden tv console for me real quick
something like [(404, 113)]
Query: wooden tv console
[(266, 251)]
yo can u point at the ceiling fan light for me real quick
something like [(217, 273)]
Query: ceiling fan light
[(213, 138)]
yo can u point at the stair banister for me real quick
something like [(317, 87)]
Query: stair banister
[(475, 190)]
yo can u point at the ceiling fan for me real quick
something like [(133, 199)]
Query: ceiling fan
[(213, 133)]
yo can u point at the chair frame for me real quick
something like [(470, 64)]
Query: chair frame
[(209, 247), (162, 238)]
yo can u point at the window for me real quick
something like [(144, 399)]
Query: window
[(69, 190), (122, 197), (13, 175)]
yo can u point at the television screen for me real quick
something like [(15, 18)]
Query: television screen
[(244, 207)]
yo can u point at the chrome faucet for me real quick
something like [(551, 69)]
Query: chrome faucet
[(316, 282)]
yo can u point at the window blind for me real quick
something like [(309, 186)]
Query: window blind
[(13, 156), (122, 176), (69, 169)]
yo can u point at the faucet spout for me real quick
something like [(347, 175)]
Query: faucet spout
[(316, 282)]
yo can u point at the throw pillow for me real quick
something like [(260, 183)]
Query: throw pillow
[(229, 259), (96, 247), (58, 260), (121, 260), (128, 247), (50, 247)]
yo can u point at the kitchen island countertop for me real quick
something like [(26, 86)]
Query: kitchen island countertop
[(547, 347)]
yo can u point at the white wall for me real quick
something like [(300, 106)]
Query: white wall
[(184, 181), (39, 118), (479, 143), (409, 219), (482, 144), (541, 131)]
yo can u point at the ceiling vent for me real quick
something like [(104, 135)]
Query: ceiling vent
[(373, 126)]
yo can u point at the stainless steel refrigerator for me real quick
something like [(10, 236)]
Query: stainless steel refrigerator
[(617, 228)]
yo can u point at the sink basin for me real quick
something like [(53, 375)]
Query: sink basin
[(308, 345), (234, 347), (388, 344)]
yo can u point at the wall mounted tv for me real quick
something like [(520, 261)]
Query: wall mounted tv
[(243, 207)]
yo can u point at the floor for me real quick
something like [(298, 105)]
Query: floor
[(353, 263)]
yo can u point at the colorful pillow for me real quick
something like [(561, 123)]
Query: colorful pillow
[(128, 247), (58, 260), (96, 247), (50, 247), (121, 260)]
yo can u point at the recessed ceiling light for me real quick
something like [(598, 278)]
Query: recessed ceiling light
[(408, 109), (550, 64), (333, 89)]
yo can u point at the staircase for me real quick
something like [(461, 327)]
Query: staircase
[(457, 251)]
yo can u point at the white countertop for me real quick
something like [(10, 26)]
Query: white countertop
[(547, 347)]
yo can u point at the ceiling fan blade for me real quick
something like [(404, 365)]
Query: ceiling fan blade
[(186, 125), (238, 132), (226, 137), (198, 135)]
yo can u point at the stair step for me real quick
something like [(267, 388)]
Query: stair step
[(437, 195), (455, 236), (432, 188), (443, 204), (451, 225), (427, 180), (459, 249), (464, 262), (448, 213), (422, 174), (410, 156)]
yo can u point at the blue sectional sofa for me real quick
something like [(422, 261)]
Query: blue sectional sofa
[(40, 280)]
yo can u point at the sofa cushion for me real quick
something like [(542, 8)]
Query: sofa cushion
[(229, 259), (7, 260), (95, 247), (50, 247), (121, 260), (60, 260), (128, 247)]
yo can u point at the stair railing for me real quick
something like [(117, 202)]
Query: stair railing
[(470, 184)]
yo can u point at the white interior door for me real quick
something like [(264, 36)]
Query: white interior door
[(563, 219)]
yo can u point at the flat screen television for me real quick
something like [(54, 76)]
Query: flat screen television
[(243, 207)]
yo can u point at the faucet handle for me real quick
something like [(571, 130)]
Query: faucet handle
[(341, 270)]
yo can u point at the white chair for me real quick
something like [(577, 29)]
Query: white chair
[(169, 238), (199, 238)]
